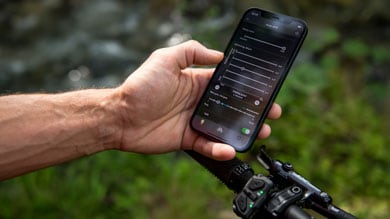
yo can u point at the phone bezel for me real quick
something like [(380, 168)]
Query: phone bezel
[(253, 136)]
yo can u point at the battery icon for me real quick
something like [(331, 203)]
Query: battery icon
[(245, 131)]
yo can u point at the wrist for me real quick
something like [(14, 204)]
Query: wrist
[(96, 112), (109, 120)]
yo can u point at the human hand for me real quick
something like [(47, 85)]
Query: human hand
[(159, 98)]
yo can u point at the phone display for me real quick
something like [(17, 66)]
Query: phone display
[(246, 82)]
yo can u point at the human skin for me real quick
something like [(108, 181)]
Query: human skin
[(149, 113)]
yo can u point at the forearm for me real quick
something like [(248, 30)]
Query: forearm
[(41, 130)]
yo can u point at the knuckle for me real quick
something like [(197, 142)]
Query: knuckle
[(193, 43), (159, 52)]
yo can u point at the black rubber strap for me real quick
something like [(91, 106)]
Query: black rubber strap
[(233, 173)]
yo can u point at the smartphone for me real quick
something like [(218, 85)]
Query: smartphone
[(246, 82)]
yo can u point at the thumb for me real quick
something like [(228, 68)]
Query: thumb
[(194, 53), (214, 150)]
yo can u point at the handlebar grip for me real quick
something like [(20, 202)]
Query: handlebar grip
[(295, 212), (339, 213), (332, 211), (233, 173)]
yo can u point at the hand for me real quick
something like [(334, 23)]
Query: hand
[(159, 98)]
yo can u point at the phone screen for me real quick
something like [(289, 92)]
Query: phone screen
[(245, 83)]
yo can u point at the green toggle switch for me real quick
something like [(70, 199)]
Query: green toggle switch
[(245, 131)]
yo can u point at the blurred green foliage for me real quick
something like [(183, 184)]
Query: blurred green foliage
[(334, 128), (115, 185)]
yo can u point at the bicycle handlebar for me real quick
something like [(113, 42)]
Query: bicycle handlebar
[(235, 174)]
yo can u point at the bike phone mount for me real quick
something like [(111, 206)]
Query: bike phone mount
[(282, 194)]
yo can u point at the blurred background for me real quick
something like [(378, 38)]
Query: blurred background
[(335, 126)]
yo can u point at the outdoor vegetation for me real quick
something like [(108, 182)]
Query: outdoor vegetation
[(336, 108)]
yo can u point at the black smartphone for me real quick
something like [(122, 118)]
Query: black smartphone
[(246, 82)]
